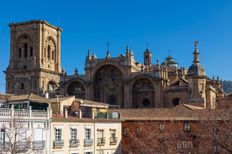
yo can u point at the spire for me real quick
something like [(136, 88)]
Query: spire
[(88, 55), (196, 53), (108, 55), (127, 50)]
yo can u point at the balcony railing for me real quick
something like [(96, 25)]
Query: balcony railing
[(113, 140), (38, 145), (74, 143), (107, 115), (101, 141), (88, 142), (58, 144), (24, 113), (20, 145)]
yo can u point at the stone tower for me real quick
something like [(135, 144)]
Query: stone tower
[(34, 58), (197, 79), (147, 58)]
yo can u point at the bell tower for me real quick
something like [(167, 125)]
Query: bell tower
[(147, 58), (34, 58)]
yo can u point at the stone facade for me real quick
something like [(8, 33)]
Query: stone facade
[(119, 81), (34, 58)]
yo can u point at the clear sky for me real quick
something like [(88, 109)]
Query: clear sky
[(165, 24)]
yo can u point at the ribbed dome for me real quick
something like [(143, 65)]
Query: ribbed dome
[(171, 62), (196, 69)]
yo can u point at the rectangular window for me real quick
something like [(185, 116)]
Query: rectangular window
[(112, 133), (125, 131), (58, 134), (38, 134), (187, 127), (2, 136), (73, 134), (88, 152), (87, 133), (100, 133)]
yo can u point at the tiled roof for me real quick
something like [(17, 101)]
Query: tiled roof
[(4, 96), (76, 119), (180, 112)]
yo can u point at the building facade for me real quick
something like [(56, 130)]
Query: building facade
[(121, 81), (81, 136), (24, 131)]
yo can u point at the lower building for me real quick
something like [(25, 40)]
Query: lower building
[(71, 135), (24, 131), (180, 130)]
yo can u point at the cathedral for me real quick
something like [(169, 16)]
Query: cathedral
[(35, 67)]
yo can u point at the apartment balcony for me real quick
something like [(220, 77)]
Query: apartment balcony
[(113, 140), (24, 113), (88, 142), (58, 144), (38, 145), (74, 143), (101, 141)]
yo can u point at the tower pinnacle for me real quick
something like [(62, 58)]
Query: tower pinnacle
[(196, 53)]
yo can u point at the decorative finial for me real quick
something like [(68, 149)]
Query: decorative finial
[(88, 55), (169, 52), (127, 50), (157, 62), (196, 53), (76, 72), (196, 44)]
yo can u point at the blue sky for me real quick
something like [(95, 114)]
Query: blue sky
[(165, 24)]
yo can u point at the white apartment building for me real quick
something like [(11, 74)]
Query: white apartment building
[(24, 131), (85, 136)]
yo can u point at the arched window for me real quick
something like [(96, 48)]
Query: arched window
[(76, 88), (22, 86), (53, 55), (25, 50), (20, 52), (49, 51), (31, 51), (176, 101), (146, 102)]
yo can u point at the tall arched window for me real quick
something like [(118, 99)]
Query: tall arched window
[(20, 52), (25, 50), (22, 86), (49, 51)]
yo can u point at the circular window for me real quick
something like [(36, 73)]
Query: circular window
[(146, 102)]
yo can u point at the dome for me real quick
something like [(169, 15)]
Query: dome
[(170, 62), (196, 69)]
